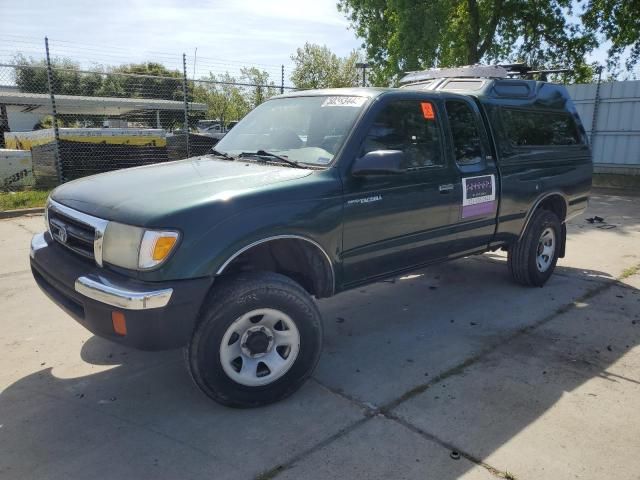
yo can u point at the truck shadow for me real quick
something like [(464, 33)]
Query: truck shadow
[(618, 215), (381, 341)]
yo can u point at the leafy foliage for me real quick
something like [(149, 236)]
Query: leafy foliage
[(317, 67), (619, 22), (134, 80), (263, 87), (405, 35), (225, 100)]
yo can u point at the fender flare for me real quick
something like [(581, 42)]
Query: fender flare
[(282, 237), (535, 206)]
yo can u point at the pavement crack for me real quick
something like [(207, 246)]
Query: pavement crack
[(278, 469), (368, 408), (428, 436), (14, 274), (457, 369), (25, 228), (386, 410)]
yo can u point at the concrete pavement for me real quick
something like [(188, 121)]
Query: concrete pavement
[(521, 382)]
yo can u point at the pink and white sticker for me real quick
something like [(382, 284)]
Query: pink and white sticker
[(478, 195)]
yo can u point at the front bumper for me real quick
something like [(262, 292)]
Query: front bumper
[(158, 315)]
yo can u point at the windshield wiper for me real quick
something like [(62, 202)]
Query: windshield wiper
[(264, 153), (218, 153)]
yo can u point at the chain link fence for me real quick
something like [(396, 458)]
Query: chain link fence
[(59, 122)]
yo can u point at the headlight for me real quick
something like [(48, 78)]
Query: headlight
[(136, 248)]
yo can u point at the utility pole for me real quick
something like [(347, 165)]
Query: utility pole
[(54, 114), (363, 66), (596, 104), (185, 90), (195, 55)]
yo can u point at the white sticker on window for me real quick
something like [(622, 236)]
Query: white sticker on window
[(344, 101)]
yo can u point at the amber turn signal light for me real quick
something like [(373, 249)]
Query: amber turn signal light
[(162, 247), (119, 323)]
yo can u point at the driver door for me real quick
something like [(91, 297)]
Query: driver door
[(396, 221)]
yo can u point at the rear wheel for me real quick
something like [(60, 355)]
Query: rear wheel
[(258, 339), (533, 258)]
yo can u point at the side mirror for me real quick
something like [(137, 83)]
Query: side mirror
[(379, 162)]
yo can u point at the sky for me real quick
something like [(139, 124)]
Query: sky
[(227, 34)]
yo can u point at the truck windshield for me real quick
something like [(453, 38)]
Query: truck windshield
[(307, 130)]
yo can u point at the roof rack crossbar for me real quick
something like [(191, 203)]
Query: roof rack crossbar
[(507, 70)]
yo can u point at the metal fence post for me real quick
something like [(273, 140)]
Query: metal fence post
[(596, 103), (282, 79), (54, 114), (186, 102)]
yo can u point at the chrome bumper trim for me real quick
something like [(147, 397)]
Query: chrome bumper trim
[(101, 290), (37, 242)]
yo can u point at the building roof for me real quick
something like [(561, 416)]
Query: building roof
[(76, 105)]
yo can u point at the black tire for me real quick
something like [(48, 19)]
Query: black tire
[(230, 299), (522, 258)]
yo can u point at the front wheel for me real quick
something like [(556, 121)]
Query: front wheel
[(533, 258), (258, 339)]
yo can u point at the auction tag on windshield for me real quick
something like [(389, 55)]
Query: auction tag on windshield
[(344, 101), (427, 111), (478, 195)]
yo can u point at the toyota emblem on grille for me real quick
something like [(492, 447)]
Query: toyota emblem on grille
[(61, 234)]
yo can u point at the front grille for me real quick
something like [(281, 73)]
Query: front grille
[(72, 233)]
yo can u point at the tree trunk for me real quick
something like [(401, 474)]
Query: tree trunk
[(473, 35)]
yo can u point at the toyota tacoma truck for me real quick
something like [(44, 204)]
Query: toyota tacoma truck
[(311, 194)]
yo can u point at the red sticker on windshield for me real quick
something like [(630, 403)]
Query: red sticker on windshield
[(427, 111)]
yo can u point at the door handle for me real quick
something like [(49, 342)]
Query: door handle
[(446, 188)]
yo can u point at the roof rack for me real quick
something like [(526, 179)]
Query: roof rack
[(509, 70), (525, 71), (468, 71)]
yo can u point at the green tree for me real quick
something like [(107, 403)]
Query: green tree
[(225, 101), (406, 35), (137, 80), (318, 67), (143, 80), (618, 21), (31, 75), (133, 80), (264, 88)]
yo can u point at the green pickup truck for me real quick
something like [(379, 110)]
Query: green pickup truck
[(311, 194)]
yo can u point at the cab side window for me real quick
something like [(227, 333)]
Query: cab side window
[(467, 145), (409, 126)]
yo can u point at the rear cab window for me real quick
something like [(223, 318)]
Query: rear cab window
[(528, 127), (468, 140)]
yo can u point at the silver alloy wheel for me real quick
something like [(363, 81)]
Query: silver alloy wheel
[(546, 249), (259, 347)]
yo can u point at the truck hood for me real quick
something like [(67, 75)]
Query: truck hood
[(141, 195)]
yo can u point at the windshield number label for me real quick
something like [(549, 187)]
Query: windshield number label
[(343, 101)]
